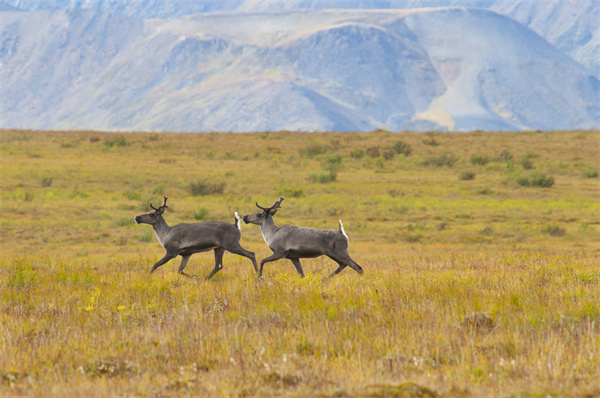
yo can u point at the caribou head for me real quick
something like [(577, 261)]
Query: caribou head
[(152, 218), (259, 218)]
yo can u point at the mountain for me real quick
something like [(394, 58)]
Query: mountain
[(571, 25), (448, 69)]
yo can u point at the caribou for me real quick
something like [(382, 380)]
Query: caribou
[(186, 239), (293, 242)]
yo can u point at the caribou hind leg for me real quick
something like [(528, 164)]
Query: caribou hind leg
[(219, 251)]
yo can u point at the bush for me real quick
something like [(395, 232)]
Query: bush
[(388, 154), (357, 154), (47, 181), (373, 152), (540, 180), (527, 164), (590, 173), (466, 175), (200, 214), (505, 156), (203, 188), (313, 150), (402, 148), (116, 141), (555, 230), (323, 178), (444, 159), (430, 140), (333, 162), (291, 192), (480, 159)]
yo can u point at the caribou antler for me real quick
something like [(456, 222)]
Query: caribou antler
[(161, 208), (277, 205)]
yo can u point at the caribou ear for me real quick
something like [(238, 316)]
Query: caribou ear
[(273, 212)]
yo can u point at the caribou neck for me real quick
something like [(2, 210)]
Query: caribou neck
[(268, 229), (161, 229)]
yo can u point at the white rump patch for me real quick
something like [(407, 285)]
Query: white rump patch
[(237, 221), (343, 231)]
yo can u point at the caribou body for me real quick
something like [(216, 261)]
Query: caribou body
[(186, 239), (293, 242)]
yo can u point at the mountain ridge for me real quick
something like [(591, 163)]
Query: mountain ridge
[(303, 70)]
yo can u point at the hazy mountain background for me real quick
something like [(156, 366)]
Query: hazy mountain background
[(298, 65)]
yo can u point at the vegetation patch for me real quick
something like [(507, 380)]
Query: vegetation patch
[(204, 188)]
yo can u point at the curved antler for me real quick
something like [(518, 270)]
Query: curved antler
[(161, 208), (277, 205)]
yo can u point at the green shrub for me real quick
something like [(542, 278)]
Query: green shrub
[(402, 148), (505, 156), (291, 192), (444, 159), (388, 154), (313, 149), (527, 163), (116, 141), (590, 173), (431, 141), (204, 188), (333, 162), (554, 230), (47, 181), (357, 154), (373, 152), (480, 159), (466, 175), (540, 180), (323, 178), (200, 214), (146, 236), (159, 189)]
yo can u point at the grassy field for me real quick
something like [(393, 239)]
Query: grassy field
[(481, 254)]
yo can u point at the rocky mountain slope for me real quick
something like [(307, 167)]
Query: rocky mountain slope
[(449, 69)]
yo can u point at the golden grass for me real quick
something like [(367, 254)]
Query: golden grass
[(472, 287)]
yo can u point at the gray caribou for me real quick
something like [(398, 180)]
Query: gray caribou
[(186, 239), (294, 243)]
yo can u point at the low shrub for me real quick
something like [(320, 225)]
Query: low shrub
[(323, 178), (116, 141), (466, 175), (505, 156), (554, 230), (445, 159), (373, 152), (402, 148), (204, 188), (313, 149), (357, 154), (479, 159), (540, 180), (200, 214), (527, 163)]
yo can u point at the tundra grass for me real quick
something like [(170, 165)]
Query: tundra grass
[(473, 287)]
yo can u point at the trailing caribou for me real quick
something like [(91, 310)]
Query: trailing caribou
[(186, 239), (294, 243)]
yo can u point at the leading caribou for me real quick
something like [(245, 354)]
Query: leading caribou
[(186, 239), (294, 243)]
